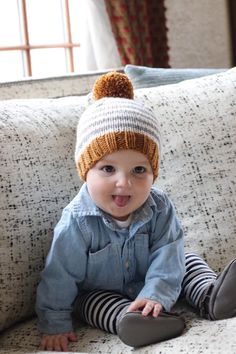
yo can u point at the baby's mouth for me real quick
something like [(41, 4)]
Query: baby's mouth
[(121, 200)]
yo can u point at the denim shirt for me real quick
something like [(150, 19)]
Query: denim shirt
[(89, 251)]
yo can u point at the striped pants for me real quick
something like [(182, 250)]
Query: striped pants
[(101, 308)]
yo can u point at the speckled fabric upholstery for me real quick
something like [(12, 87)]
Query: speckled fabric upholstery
[(38, 178), (198, 123)]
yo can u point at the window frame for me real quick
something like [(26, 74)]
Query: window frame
[(26, 48)]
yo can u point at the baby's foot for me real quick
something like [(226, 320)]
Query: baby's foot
[(219, 301), (137, 330)]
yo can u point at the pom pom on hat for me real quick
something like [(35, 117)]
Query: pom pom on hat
[(113, 84), (115, 121)]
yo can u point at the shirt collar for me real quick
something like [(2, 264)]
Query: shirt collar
[(83, 205)]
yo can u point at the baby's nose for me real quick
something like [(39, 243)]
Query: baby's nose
[(123, 180)]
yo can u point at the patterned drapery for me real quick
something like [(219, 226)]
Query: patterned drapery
[(139, 27)]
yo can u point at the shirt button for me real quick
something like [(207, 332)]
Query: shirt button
[(130, 290), (127, 265)]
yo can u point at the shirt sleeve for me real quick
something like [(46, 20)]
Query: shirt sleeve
[(167, 259), (61, 277)]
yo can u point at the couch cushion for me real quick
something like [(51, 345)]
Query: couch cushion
[(142, 76), (38, 178), (197, 119)]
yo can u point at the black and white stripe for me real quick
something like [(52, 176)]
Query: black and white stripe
[(101, 309), (197, 279)]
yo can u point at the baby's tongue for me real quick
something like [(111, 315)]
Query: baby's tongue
[(121, 200)]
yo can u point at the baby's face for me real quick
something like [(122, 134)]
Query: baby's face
[(120, 182)]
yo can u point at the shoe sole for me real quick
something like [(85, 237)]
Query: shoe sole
[(137, 330)]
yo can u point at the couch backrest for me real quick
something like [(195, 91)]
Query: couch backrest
[(51, 87)]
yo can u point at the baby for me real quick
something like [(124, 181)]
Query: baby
[(117, 259)]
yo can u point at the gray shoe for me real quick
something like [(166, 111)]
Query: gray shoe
[(137, 330), (219, 301)]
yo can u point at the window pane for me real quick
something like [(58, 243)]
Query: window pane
[(45, 20), (11, 67), (76, 8), (9, 23), (48, 62), (78, 61)]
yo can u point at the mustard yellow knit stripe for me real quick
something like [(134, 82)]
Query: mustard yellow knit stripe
[(114, 141)]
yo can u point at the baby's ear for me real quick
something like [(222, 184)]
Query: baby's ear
[(113, 84)]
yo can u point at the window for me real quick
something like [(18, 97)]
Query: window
[(39, 38)]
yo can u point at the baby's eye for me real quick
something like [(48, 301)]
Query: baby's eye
[(108, 169), (139, 169)]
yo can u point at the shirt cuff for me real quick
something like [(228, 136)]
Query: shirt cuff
[(55, 322)]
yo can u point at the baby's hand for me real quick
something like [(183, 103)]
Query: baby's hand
[(147, 307), (57, 342)]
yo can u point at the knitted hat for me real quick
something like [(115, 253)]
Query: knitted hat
[(115, 122)]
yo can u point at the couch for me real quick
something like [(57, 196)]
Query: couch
[(196, 113)]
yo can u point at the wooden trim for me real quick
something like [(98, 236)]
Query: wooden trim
[(40, 46), (232, 20), (26, 38), (68, 27)]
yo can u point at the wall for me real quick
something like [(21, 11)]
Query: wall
[(199, 34)]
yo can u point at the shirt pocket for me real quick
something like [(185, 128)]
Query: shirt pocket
[(104, 268), (141, 254)]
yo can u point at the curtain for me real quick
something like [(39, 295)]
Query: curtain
[(98, 46), (139, 27)]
